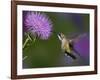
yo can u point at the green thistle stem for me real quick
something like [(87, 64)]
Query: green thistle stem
[(25, 57), (25, 43), (27, 39)]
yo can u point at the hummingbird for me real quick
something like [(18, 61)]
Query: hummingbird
[(67, 45)]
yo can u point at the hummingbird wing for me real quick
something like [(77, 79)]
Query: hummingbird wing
[(71, 44), (77, 38)]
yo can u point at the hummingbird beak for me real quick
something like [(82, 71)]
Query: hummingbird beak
[(59, 36)]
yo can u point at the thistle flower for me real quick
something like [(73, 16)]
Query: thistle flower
[(38, 24)]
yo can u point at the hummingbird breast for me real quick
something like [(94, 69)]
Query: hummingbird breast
[(66, 46)]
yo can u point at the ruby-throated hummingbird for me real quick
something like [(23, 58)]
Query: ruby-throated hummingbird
[(67, 45)]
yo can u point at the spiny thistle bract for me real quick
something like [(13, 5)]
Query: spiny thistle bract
[(38, 24)]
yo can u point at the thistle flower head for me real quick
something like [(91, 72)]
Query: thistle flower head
[(38, 23)]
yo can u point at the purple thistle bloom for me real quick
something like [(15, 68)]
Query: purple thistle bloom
[(38, 24)]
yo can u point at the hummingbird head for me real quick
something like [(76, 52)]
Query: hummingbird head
[(61, 36)]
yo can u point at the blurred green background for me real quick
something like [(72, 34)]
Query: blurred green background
[(48, 53)]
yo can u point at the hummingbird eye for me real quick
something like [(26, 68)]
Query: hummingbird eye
[(61, 36), (58, 33)]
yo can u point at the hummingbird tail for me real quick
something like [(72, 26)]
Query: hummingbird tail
[(71, 55)]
